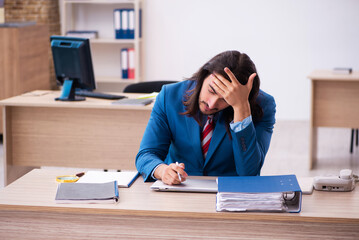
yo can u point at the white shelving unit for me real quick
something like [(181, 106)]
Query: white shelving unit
[(106, 49)]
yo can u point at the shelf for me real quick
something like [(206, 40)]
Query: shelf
[(99, 1), (114, 41), (106, 79), (98, 15)]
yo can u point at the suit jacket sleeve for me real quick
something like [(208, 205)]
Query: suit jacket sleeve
[(156, 139), (252, 143)]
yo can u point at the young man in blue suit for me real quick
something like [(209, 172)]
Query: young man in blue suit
[(225, 89)]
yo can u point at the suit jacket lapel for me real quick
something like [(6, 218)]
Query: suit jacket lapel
[(194, 130), (218, 134)]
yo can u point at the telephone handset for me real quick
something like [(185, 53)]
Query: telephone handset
[(343, 183)]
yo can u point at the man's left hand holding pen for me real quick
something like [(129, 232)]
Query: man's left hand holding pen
[(171, 174)]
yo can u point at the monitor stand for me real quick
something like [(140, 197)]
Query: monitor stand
[(68, 92)]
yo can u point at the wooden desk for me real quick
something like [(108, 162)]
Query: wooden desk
[(24, 60), (40, 131), (335, 103), (27, 207)]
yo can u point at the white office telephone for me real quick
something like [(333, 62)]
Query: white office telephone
[(345, 182)]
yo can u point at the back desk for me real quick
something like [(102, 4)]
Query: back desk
[(27, 207), (39, 131)]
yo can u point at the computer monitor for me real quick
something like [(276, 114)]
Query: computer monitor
[(73, 66)]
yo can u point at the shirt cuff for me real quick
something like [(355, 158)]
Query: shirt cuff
[(153, 171), (239, 126)]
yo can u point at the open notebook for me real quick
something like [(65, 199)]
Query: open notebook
[(124, 179)]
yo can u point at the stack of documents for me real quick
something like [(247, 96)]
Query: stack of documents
[(152, 96), (142, 100), (268, 193), (133, 102), (250, 202), (342, 70), (82, 34)]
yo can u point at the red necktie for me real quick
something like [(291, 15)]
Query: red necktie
[(207, 135)]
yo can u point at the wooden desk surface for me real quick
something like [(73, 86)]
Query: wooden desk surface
[(27, 206), (46, 98), (36, 191), (318, 75)]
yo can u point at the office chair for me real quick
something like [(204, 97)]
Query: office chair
[(352, 139), (146, 87)]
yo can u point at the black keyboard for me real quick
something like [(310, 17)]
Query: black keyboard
[(99, 95)]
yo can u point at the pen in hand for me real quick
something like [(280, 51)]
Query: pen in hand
[(179, 175)]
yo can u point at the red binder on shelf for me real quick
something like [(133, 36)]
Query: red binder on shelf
[(131, 63)]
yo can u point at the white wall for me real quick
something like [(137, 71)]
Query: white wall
[(286, 39)]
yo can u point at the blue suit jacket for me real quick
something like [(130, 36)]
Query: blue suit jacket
[(171, 137)]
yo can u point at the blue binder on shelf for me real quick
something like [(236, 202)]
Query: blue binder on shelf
[(140, 23), (131, 24), (117, 23), (252, 187), (124, 23), (124, 63)]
